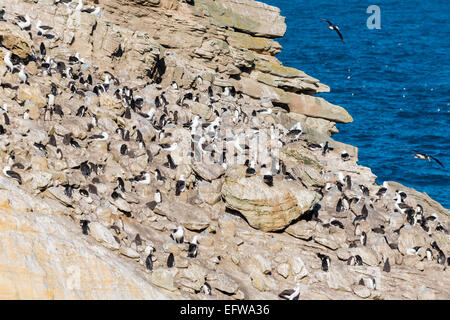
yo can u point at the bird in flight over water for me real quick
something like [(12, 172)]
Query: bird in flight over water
[(335, 28), (423, 156)]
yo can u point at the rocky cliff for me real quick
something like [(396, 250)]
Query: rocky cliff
[(121, 124)]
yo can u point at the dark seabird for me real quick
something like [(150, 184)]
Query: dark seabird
[(121, 184), (68, 189), (2, 14), (313, 146), (85, 226), (6, 118), (85, 169), (387, 266), (115, 195), (193, 248), (290, 294), (12, 174), (326, 149), (42, 30), (170, 163), (325, 261), (92, 189), (157, 199), (119, 52), (294, 134), (101, 137), (159, 176), (440, 227), (142, 178), (355, 261), (168, 147), (177, 234), (358, 260), (123, 149), (24, 23), (40, 147), (170, 260), (423, 156), (364, 190), (180, 186), (52, 140), (268, 179), (149, 262), (345, 156), (2, 130), (364, 211), (84, 192), (379, 229), (348, 182), (74, 143), (363, 238), (18, 165), (337, 223), (342, 204), (429, 254), (335, 28), (250, 171), (81, 111), (42, 49), (381, 192), (157, 196), (137, 240), (206, 289), (151, 205), (400, 205)]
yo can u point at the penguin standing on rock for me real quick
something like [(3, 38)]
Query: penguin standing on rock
[(325, 261), (193, 248), (290, 294), (180, 186), (85, 226), (177, 234)]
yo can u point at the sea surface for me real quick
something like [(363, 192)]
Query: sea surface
[(394, 81)]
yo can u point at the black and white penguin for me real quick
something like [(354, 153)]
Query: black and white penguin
[(345, 156), (85, 226), (177, 234), (387, 266), (119, 51), (268, 179), (180, 185), (206, 288), (326, 261), (149, 262), (193, 248), (363, 238), (290, 294), (170, 260), (12, 174)]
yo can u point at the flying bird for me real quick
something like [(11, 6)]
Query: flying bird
[(423, 156), (335, 28)]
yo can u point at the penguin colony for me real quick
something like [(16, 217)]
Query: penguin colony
[(356, 210)]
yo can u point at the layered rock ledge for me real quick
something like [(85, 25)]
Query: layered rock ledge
[(92, 132)]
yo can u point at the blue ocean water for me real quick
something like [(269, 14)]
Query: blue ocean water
[(394, 81)]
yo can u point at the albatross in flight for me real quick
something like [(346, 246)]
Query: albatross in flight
[(335, 28), (423, 156)]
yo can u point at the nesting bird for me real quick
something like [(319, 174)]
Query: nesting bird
[(177, 234), (290, 294)]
